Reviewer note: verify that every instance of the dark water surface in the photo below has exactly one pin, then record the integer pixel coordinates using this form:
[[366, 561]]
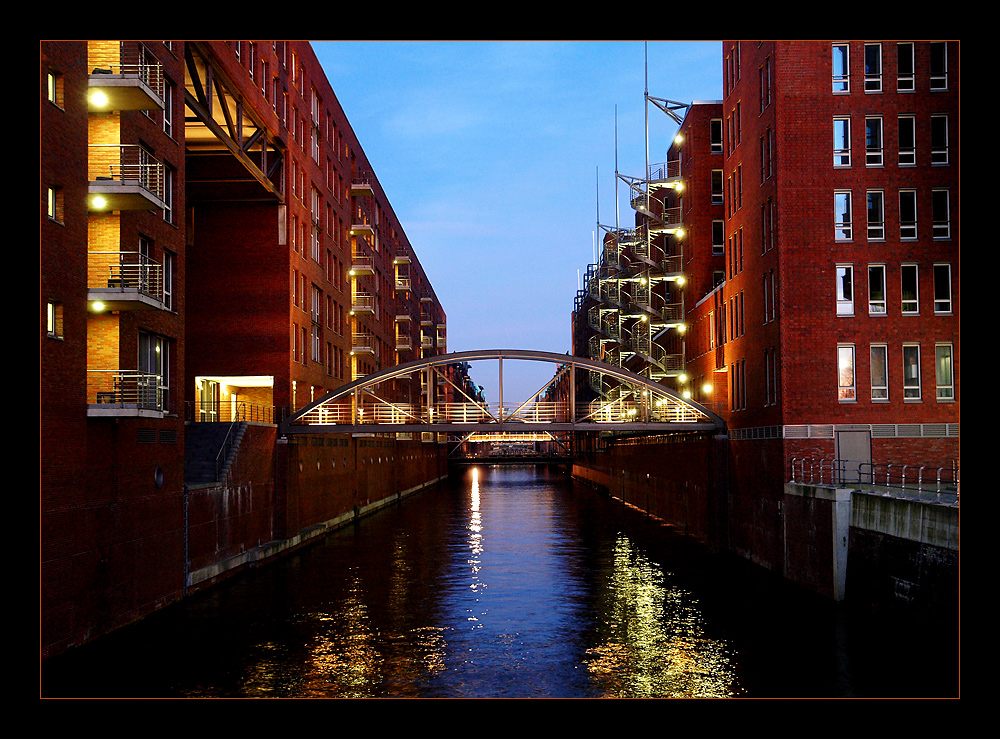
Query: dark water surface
[[508, 582]]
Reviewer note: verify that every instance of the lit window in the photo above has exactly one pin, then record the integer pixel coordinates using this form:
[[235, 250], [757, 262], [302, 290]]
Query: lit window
[[846, 386], [943, 372], [54, 320], [54, 205]]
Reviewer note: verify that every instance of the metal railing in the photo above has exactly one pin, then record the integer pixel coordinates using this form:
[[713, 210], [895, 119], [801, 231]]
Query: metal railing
[[920, 482], [125, 270], [128, 164], [226, 410], [129, 59], [126, 388]]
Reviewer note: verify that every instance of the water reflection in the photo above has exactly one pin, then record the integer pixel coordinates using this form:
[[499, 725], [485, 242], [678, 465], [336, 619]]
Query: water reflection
[[653, 643]]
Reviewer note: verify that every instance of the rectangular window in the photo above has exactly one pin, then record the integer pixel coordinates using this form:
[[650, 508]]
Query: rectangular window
[[939, 65], [841, 68], [908, 284], [841, 142], [718, 237], [939, 139], [911, 371], [873, 67], [55, 205], [873, 141], [907, 214], [717, 186], [941, 214], [942, 288], [716, 135], [845, 290], [876, 289], [880, 371], [904, 67], [846, 384], [876, 215], [54, 321], [944, 375], [842, 215], [907, 141]]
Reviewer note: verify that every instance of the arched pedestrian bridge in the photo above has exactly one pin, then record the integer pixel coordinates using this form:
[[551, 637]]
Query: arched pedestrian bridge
[[395, 400]]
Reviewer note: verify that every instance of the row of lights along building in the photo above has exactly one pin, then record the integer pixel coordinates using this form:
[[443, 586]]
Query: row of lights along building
[[794, 267], [213, 247]]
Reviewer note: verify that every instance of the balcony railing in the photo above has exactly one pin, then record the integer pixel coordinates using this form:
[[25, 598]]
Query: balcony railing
[[118, 168], [665, 170], [125, 271], [362, 343], [363, 303], [126, 389], [127, 59]]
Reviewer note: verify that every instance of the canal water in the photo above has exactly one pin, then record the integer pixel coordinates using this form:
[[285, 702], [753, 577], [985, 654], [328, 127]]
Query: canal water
[[508, 583]]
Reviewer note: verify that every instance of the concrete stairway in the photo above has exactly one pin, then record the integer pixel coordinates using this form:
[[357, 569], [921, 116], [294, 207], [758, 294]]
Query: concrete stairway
[[203, 442]]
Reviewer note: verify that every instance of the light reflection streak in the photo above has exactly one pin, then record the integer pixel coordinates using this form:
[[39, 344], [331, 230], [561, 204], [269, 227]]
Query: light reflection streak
[[475, 542], [653, 643]]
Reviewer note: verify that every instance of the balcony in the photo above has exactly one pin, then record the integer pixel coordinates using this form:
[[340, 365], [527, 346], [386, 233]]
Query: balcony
[[363, 303], [362, 344], [402, 282], [362, 264], [403, 343], [665, 174], [118, 393], [121, 280], [361, 186], [124, 77], [124, 177]]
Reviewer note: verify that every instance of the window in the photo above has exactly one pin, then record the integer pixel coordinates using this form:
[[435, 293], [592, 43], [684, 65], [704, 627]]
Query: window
[[841, 68], [153, 376], [880, 372], [841, 142], [941, 214], [876, 289], [842, 215], [55, 204], [54, 320], [845, 290], [55, 88], [939, 65], [911, 371], [907, 214], [716, 135], [168, 194], [873, 67], [717, 186], [876, 215], [846, 386], [718, 237], [942, 288], [907, 141], [765, 83], [908, 284], [168, 107], [873, 141], [169, 262], [939, 139], [904, 67], [944, 377]]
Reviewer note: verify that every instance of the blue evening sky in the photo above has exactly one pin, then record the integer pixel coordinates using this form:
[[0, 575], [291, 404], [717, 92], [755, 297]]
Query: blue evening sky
[[495, 155]]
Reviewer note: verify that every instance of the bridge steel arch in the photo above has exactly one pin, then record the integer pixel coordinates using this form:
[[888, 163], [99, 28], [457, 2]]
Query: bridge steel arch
[[641, 405]]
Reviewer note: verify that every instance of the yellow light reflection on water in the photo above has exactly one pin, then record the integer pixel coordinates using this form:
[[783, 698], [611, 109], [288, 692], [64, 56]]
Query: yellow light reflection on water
[[653, 643]]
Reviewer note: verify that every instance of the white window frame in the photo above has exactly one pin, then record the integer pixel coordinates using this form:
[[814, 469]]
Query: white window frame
[[842, 141], [874, 149], [847, 388], [906, 79], [907, 132], [939, 147], [841, 68], [879, 370], [876, 290], [876, 215], [873, 68], [942, 288], [944, 371], [845, 289], [909, 305], [939, 77], [941, 213], [911, 372], [907, 214], [842, 217]]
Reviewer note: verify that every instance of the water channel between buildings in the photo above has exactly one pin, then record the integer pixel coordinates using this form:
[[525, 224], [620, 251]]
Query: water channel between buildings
[[510, 583]]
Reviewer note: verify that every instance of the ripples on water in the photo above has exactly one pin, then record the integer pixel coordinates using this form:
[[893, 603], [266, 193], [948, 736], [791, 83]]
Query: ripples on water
[[510, 582]]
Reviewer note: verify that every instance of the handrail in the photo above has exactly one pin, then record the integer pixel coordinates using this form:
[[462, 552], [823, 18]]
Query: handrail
[[220, 458], [884, 479]]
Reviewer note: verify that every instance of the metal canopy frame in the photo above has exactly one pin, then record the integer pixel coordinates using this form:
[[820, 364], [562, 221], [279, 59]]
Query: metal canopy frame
[[642, 405]]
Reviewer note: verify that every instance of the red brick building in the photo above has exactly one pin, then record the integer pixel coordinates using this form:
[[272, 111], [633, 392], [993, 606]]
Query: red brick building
[[826, 331], [213, 247]]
